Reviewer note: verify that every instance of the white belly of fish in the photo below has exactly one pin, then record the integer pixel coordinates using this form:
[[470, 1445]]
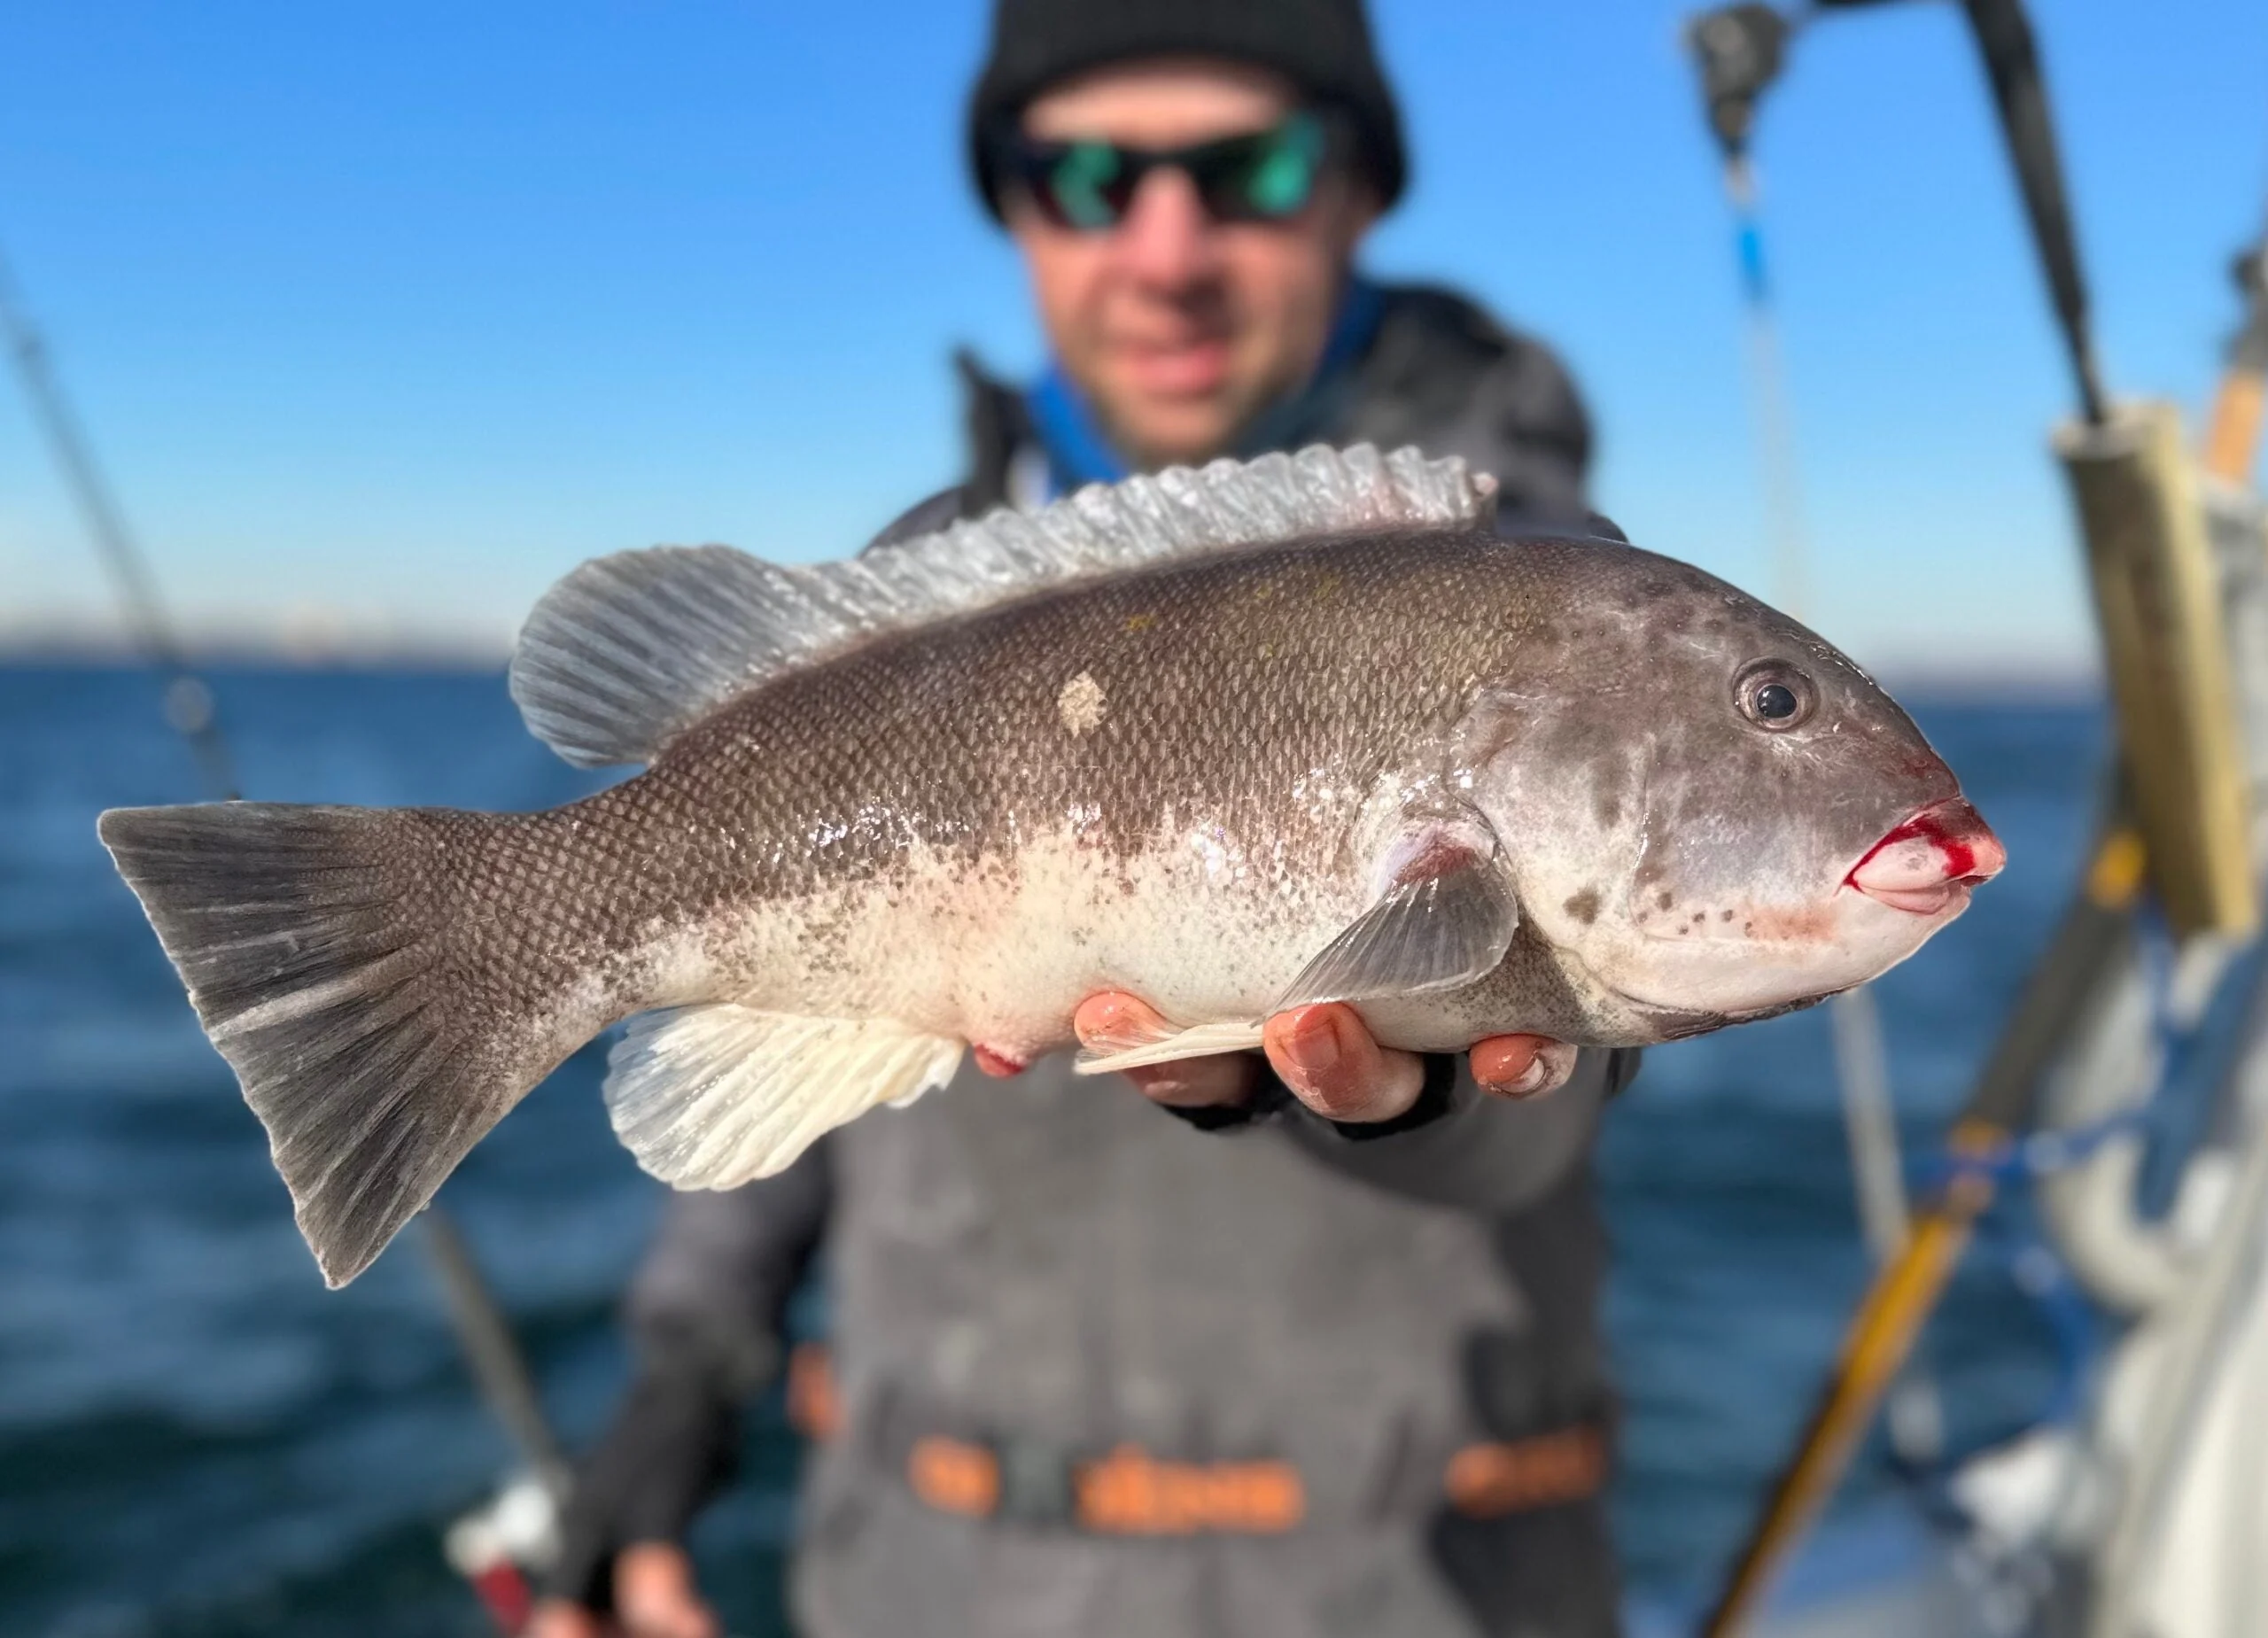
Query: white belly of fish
[[793, 1016], [998, 953]]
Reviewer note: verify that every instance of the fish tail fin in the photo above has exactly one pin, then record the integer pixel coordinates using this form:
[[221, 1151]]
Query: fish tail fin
[[315, 942]]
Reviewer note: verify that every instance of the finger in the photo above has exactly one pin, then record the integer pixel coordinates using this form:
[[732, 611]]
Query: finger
[[1110, 1021], [1329, 1059], [555, 1617], [655, 1595], [1113, 1021], [1522, 1066]]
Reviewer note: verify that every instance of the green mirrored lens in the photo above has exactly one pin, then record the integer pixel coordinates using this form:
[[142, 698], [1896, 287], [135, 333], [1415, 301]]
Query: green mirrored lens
[[1282, 179], [1079, 183]]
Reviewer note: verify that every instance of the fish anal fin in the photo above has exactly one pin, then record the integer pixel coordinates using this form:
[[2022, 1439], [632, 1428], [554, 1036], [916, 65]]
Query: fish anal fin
[[714, 1097]]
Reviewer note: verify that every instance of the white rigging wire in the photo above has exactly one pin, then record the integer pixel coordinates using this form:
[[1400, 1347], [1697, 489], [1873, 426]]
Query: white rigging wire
[[1862, 1068]]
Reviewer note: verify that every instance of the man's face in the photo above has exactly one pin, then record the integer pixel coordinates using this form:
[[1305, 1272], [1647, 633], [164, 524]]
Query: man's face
[[1178, 328]]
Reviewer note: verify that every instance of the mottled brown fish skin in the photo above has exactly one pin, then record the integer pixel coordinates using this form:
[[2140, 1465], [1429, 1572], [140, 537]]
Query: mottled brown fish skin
[[1224, 686], [1171, 780], [1222, 683]]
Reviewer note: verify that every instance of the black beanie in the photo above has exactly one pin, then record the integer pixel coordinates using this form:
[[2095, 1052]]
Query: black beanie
[[1322, 47]]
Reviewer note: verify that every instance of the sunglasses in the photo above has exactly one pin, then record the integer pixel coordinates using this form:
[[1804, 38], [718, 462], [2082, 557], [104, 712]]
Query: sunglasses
[[1089, 185]]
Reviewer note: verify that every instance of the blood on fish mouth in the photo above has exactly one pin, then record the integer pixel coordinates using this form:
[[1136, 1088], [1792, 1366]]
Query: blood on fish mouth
[[1928, 863]]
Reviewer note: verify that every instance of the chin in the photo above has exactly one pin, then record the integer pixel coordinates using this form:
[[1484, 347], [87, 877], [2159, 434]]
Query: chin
[[1165, 438], [1174, 426], [1858, 940]]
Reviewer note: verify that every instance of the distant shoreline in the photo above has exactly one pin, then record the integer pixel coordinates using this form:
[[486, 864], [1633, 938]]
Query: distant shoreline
[[1919, 684], [396, 656]]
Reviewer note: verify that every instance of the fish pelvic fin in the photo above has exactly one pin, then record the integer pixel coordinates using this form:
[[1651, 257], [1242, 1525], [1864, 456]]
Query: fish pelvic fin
[[314, 947], [630, 650], [714, 1097]]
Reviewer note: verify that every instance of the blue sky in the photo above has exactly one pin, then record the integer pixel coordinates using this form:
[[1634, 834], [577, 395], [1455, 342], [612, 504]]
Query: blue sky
[[384, 315]]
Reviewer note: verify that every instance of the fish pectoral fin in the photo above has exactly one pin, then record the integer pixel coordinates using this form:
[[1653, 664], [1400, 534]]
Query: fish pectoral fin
[[1170, 1045], [714, 1097], [1446, 925]]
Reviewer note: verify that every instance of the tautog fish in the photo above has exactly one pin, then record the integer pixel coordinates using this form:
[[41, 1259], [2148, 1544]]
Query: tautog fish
[[1231, 739]]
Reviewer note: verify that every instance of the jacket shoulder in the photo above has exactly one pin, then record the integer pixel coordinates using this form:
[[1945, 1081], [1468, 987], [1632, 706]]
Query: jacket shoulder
[[1447, 375], [1434, 325], [940, 511]]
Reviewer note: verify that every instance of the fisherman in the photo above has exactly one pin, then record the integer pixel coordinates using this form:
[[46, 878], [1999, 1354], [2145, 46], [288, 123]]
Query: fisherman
[[1322, 1353]]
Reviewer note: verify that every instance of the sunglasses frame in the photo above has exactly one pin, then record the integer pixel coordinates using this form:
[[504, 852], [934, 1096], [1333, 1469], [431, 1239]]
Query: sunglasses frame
[[1029, 165]]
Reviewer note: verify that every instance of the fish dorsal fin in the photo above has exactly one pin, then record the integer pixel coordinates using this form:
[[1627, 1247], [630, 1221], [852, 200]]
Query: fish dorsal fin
[[629, 651]]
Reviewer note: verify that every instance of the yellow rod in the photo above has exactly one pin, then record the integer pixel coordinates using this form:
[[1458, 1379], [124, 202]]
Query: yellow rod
[[1880, 1336], [1881, 1333]]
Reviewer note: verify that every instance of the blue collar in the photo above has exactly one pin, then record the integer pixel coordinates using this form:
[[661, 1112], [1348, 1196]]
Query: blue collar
[[1079, 453]]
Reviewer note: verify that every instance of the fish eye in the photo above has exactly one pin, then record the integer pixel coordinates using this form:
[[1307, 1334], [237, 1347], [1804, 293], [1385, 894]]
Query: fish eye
[[1774, 695]]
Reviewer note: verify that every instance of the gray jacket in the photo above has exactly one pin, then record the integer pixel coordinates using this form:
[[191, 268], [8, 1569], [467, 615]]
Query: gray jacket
[[1049, 1269]]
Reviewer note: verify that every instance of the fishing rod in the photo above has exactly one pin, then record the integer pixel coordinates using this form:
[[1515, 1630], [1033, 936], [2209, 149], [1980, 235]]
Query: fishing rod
[[188, 702], [1741, 49], [498, 1369]]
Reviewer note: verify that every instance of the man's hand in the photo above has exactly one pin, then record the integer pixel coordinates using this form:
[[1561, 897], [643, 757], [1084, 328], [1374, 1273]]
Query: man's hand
[[1326, 1055], [653, 1597]]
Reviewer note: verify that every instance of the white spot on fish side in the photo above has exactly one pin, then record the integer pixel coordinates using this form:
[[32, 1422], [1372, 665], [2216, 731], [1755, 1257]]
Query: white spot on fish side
[[1081, 704]]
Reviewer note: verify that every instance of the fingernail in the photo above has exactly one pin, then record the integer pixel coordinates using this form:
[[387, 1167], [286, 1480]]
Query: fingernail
[[1526, 1084], [1313, 1047]]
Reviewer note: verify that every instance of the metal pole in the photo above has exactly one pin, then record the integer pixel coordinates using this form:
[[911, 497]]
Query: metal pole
[[2004, 38], [2011, 64]]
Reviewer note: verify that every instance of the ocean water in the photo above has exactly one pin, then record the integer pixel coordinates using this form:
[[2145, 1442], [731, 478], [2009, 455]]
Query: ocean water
[[197, 1439]]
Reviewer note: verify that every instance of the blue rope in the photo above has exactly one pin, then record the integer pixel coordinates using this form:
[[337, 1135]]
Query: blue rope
[[2037, 1155], [1748, 244], [2040, 1154]]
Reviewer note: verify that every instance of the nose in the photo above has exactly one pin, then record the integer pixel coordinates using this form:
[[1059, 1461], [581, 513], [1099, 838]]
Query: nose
[[1167, 238], [1930, 860]]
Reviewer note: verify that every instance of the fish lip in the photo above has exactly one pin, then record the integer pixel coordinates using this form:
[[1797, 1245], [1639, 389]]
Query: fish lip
[[1960, 833], [1951, 893]]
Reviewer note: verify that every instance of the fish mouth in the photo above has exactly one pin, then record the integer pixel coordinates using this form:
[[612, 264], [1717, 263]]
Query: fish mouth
[[1927, 863]]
